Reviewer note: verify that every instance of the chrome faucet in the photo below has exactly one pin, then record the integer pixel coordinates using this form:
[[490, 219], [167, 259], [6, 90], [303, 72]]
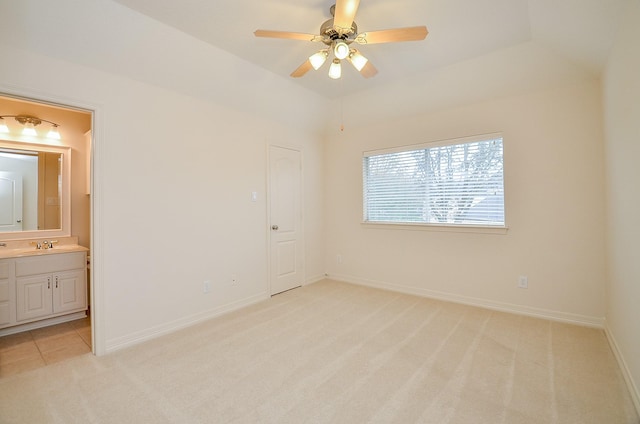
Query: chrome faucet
[[45, 244], [48, 244]]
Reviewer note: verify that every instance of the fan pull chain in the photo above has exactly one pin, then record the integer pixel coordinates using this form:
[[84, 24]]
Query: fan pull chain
[[341, 116], [341, 108]]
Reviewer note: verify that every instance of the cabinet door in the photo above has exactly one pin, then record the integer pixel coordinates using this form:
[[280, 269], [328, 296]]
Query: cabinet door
[[70, 290], [34, 295], [5, 310], [6, 298]]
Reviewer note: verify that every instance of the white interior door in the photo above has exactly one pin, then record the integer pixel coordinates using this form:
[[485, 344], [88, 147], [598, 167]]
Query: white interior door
[[10, 201], [285, 205]]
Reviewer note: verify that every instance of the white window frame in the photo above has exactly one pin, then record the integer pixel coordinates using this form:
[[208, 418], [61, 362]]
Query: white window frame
[[438, 226]]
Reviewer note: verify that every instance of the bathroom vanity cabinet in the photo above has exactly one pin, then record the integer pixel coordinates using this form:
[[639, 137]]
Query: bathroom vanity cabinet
[[41, 287], [5, 298]]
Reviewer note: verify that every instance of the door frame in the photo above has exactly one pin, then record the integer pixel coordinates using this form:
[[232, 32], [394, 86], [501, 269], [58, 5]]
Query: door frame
[[268, 207], [96, 273]]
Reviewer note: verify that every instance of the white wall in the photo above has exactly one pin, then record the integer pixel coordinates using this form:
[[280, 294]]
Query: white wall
[[622, 123], [174, 167], [554, 206]]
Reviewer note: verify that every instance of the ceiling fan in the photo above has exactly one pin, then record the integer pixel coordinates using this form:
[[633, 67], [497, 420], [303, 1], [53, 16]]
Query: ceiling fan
[[338, 34]]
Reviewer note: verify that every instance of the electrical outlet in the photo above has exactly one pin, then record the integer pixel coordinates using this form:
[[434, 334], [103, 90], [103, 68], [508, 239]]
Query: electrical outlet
[[523, 282], [339, 259], [206, 286]]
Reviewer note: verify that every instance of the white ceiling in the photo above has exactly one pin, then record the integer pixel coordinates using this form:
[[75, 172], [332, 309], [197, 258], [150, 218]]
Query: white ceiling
[[580, 30]]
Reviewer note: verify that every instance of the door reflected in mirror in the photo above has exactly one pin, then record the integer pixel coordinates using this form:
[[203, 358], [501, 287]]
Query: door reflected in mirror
[[30, 190]]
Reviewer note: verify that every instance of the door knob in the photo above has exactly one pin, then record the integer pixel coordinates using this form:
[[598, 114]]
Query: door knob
[[274, 227]]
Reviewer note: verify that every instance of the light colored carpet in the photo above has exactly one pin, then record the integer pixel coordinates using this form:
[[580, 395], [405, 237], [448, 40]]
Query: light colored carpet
[[338, 353]]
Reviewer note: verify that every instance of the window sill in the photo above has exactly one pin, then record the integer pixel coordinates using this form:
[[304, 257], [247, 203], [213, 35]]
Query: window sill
[[447, 228]]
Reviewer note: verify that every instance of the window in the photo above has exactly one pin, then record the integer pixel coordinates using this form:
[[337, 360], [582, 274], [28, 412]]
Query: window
[[458, 182]]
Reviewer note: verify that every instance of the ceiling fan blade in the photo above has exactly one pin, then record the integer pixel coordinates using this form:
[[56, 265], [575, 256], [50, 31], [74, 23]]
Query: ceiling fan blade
[[287, 35], [392, 35], [302, 69], [368, 70], [344, 14]]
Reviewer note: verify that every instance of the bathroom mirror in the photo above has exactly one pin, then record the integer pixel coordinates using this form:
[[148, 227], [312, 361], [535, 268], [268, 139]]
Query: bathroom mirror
[[34, 191]]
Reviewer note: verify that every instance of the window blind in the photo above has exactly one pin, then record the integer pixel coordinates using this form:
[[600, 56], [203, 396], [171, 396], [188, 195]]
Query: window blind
[[458, 183]]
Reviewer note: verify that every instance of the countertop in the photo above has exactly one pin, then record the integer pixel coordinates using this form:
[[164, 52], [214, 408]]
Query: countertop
[[22, 248]]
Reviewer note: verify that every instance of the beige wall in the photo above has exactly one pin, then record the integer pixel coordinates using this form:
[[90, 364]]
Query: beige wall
[[554, 209], [622, 119]]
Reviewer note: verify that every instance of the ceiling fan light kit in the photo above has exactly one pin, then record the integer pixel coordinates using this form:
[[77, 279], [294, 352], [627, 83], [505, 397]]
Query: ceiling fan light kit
[[335, 70], [338, 33], [318, 59], [340, 49], [357, 60]]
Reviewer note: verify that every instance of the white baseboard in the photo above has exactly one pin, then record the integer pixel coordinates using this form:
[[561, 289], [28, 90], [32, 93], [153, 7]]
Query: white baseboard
[[472, 301], [173, 326], [631, 385], [314, 279], [42, 323]]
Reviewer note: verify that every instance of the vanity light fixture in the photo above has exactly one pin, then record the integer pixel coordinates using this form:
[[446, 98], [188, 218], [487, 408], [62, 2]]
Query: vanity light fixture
[[30, 123], [53, 132], [29, 129]]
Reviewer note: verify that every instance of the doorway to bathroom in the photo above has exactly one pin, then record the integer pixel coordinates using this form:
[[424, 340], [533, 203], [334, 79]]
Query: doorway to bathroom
[[57, 126]]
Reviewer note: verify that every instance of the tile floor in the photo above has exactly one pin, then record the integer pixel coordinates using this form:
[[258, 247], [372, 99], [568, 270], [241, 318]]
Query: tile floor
[[37, 348]]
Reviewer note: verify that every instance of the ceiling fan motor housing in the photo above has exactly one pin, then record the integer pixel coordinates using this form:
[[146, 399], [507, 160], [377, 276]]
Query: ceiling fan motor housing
[[330, 32]]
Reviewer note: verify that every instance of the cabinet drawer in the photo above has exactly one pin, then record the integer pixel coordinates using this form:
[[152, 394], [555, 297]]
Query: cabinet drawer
[[50, 263], [4, 269]]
